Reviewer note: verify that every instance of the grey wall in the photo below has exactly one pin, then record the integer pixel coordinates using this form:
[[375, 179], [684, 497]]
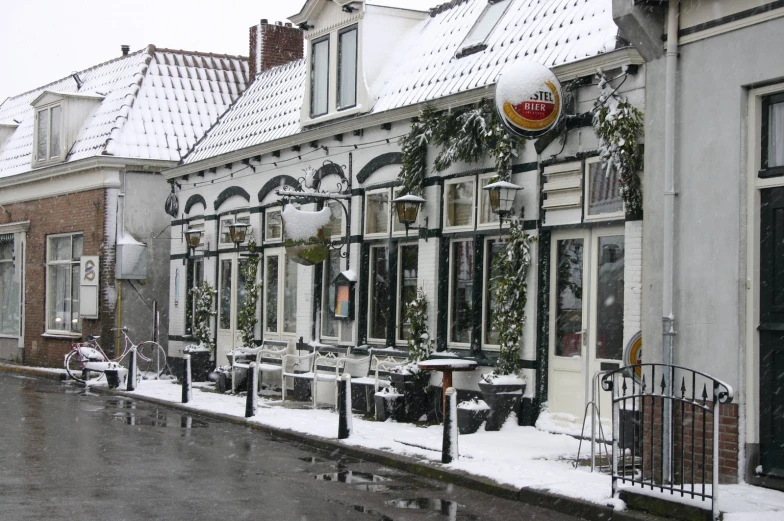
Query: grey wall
[[713, 80], [145, 198]]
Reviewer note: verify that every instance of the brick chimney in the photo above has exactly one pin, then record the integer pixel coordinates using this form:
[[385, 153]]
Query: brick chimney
[[273, 45]]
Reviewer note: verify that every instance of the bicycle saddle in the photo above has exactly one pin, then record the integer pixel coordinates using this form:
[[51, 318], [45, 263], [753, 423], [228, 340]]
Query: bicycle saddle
[[90, 338]]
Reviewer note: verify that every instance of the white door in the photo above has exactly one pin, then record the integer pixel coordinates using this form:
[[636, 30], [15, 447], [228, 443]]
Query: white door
[[230, 293], [586, 315]]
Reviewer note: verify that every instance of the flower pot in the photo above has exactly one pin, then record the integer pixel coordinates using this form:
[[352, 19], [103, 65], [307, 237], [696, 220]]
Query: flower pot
[[415, 397], [307, 235], [470, 419], [388, 405], [502, 399]]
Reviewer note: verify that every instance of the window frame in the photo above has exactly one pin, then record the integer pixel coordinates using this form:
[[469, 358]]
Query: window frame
[[239, 217], [487, 261], [451, 343], [765, 171], [399, 289], [50, 331], [267, 212], [483, 195], [465, 49], [17, 272], [472, 225], [371, 295], [587, 217], [280, 296], [326, 38], [326, 284], [49, 157], [368, 193], [338, 83]]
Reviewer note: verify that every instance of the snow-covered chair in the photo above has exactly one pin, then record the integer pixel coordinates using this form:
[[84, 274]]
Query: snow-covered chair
[[268, 357]]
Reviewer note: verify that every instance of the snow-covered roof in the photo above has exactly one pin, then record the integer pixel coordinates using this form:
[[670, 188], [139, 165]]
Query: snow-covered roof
[[157, 103], [424, 67]]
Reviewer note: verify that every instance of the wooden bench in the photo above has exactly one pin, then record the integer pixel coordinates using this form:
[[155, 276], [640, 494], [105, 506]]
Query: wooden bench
[[268, 356]]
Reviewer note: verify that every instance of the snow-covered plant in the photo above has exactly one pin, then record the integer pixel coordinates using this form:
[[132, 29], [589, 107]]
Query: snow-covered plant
[[414, 149], [618, 125], [511, 286], [419, 342], [202, 311], [246, 318]]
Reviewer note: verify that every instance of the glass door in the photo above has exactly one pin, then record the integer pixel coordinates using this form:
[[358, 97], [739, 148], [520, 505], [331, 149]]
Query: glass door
[[228, 284]]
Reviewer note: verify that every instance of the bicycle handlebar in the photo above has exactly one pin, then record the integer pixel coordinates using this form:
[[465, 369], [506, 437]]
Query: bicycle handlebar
[[120, 329]]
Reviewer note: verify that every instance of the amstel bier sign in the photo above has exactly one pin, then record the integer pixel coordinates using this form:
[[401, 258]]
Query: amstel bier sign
[[528, 99]]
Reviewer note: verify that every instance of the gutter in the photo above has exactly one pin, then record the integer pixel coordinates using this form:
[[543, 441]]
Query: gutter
[[569, 71]]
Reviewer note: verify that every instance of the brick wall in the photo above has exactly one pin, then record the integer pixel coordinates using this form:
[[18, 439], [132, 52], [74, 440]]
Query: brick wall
[[80, 212], [689, 438], [279, 44]]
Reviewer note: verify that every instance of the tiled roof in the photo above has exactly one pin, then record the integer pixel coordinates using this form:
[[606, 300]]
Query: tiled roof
[[268, 110], [157, 104], [424, 67]]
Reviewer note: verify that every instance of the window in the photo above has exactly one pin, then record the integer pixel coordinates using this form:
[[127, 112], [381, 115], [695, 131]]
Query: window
[[62, 287], [319, 77], [493, 248], [330, 326], [377, 212], [477, 36], [378, 315], [486, 214], [48, 129], [280, 287], [225, 294], [347, 68], [461, 291], [195, 279], [336, 223], [225, 237], [10, 290], [602, 191], [408, 264], [273, 227], [459, 204], [772, 136]]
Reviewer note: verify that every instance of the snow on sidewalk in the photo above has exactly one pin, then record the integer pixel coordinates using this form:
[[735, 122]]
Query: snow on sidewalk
[[516, 456]]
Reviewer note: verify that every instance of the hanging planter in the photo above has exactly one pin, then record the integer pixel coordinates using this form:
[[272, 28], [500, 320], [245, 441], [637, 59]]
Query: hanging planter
[[307, 235]]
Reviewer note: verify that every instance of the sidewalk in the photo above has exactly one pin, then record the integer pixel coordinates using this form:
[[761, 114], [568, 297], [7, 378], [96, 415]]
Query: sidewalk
[[520, 463]]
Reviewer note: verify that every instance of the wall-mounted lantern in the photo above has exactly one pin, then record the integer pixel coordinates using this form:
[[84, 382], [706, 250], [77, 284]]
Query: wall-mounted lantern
[[502, 196], [344, 294], [237, 232], [407, 208], [193, 241]]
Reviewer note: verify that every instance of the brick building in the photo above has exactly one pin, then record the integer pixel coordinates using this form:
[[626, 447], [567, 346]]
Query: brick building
[[83, 198]]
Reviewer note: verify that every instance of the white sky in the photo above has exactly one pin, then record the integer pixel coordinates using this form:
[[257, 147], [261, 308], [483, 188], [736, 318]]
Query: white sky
[[44, 40]]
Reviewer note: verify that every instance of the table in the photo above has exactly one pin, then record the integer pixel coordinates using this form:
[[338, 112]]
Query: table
[[447, 366]]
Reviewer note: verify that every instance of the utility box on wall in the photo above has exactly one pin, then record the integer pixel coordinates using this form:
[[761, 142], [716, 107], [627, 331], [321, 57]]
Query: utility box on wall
[[131, 260], [89, 286]]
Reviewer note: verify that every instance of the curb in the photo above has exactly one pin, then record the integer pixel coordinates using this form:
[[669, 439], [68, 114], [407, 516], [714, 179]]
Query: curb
[[32, 371], [541, 498]]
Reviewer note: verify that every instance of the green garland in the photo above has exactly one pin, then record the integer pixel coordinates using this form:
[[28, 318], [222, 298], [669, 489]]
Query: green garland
[[511, 286], [202, 311], [466, 134], [618, 125], [246, 318]]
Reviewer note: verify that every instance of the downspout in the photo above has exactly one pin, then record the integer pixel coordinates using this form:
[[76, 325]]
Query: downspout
[[668, 320]]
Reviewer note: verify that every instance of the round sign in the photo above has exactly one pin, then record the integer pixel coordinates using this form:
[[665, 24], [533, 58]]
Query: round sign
[[632, 354], [528, 99]]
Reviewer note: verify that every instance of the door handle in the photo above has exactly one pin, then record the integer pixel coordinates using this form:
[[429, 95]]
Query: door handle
[[582, 337]]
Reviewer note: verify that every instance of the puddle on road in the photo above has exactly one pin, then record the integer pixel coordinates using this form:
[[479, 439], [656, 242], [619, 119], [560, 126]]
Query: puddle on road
[[314, 460], [443, 506], [365, 510], [350, 477]]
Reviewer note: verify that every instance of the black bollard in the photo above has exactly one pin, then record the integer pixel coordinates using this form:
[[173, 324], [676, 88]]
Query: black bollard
[[253, 391], [344, 407], [449, 448], [186, 379], [132, 371]]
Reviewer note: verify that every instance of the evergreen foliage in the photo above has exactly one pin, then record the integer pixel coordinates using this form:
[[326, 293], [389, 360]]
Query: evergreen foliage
[[202, 311], [419, 342], [511, 288], [618, 125], [246, 318]]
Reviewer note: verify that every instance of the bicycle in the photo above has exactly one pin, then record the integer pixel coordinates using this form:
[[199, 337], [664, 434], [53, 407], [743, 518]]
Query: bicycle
[[87, 361]]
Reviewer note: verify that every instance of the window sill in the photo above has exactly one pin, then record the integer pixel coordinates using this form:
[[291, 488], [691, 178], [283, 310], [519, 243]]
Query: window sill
[[61, 335]]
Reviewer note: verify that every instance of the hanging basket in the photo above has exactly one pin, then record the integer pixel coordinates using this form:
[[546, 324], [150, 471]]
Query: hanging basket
[[307, 235]]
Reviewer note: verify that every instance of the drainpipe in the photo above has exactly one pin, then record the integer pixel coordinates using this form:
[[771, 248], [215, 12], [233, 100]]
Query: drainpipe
[[668, 320]]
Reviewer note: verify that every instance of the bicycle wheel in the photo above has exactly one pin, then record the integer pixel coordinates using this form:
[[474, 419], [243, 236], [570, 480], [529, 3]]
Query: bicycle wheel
[[74, 366], [151, 360]]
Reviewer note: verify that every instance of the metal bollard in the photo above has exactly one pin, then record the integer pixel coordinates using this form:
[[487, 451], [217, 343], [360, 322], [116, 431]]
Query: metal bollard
[[344, 407], [132, 371], [187, 395], [253, 391], [449, 448]]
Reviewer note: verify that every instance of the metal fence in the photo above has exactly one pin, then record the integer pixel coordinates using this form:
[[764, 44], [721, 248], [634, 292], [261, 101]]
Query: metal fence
[[675, 429]]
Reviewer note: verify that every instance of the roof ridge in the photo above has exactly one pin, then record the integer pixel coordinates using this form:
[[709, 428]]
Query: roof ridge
[[445, 7], [43, 87], [201, 53], [130, 98]]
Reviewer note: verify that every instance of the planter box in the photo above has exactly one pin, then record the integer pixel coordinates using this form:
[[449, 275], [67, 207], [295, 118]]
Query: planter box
[[416, 401], [389, 406], [502, 399], [469, 420]]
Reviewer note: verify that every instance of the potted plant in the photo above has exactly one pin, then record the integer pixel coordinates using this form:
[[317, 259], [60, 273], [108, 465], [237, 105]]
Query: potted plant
[[503, 388], [307, 234], [389, 404], [470, 415], [409, 379], [200, 323]]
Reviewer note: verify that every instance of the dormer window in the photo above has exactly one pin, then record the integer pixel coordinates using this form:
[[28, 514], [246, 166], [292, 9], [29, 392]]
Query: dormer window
[[319, 77], [48, 129], [347, 68], [477, 36]]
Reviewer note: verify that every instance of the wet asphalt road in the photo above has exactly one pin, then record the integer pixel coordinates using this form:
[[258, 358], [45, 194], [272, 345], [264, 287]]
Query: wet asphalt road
[[65, 454]]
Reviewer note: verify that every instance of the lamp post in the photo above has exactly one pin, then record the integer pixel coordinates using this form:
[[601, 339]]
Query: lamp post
[[502, 196], [407, 208]]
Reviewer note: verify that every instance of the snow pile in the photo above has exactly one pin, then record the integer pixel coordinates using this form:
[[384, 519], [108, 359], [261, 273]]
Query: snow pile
[[299, 225], [473, 405]]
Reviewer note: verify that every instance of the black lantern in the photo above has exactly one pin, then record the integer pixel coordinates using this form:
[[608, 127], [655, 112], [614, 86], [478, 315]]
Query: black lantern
[[344, 295], [193, 237], [407, 208], [502, 195], [237, 231]]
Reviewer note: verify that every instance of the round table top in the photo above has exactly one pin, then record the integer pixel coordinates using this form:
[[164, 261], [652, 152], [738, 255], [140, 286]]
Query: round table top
[[441, 364]]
